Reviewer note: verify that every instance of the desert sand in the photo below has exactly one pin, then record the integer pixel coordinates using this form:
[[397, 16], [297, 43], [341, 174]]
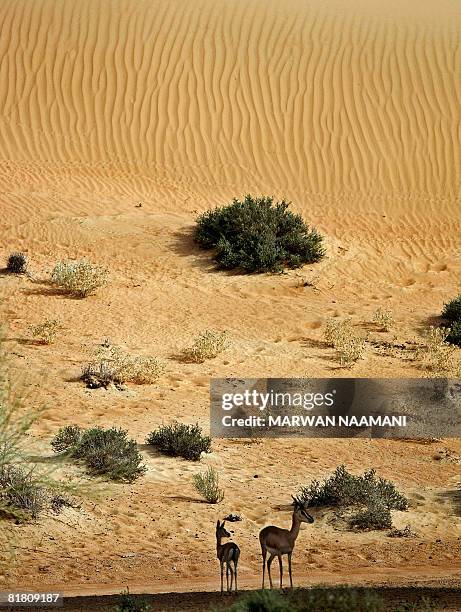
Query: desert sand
[[120, 121]]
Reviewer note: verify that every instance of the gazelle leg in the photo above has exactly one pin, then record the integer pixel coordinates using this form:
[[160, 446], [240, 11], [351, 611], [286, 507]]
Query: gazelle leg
[[264, 566], [271, 558], [235, 572], [227, 575], [281, 570], [231, 575], [289, 569], [222, 578]]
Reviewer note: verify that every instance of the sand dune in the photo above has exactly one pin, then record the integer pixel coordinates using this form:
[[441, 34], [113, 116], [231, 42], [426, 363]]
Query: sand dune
[[294, 95], [120, 120]]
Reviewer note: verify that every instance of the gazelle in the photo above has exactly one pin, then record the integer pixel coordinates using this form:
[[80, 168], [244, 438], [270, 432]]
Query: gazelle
[[227, 553], [278, 542]]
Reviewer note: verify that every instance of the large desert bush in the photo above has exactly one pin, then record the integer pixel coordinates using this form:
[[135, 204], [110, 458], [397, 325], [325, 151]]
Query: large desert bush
[[180, 440], [79, 278], [17, 263], [207, 484], [208, 345], [111, 364], [105, 452], [258, 235], [373, 497]]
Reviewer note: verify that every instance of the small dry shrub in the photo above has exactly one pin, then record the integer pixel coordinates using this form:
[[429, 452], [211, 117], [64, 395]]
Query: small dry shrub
[[207, 484], [46, 332], [17, 263], [79, 278], [437, 354], [406, 532], [112, 365], [21, 492], [207, 345], [383, 318], [340, 334]]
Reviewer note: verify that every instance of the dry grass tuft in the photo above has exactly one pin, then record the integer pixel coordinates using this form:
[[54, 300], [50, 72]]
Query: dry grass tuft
[[208, 345], [383, 318], [112, 365], [46, 332], [340, 335]]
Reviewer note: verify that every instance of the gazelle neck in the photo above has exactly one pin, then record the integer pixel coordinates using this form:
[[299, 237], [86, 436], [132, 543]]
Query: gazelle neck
[[295, 526]]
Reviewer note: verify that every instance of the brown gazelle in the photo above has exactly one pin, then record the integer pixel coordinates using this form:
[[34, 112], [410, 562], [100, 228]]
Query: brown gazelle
[[278, 542], [227, 553]]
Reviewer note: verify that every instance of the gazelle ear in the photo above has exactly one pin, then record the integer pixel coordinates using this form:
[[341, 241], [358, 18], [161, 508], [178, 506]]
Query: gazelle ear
[[217, 524]]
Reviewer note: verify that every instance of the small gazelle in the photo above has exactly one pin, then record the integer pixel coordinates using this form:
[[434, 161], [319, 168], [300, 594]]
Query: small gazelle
[[278, 542], [228, 554]]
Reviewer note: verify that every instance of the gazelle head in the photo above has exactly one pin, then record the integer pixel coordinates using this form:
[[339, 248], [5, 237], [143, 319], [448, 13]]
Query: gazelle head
[[221, 531], [301, 512]]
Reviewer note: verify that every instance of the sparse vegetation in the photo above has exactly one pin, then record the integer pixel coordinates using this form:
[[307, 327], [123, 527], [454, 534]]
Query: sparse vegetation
[[79, 278], [105, 452], [180, 440], [258, 235], [383, 318], [340, 334], [17, 263], [130, 603], [207, 484], [315, 599], [406, 532], [436, 353], [208, 345], [372, 496], [21, 492], [111, 364], [46, 332]]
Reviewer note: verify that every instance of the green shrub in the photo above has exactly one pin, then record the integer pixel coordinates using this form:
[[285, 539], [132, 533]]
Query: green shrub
[[258, 236], [67, 438], [79, 278], [316, 599], [20, 492], [452, 310], [343, 489], [107, 452], [180, 440], [376, 515], [129, 603], [17, 263], [207, 484], [262, 601], [111, 453], [454, 335]]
